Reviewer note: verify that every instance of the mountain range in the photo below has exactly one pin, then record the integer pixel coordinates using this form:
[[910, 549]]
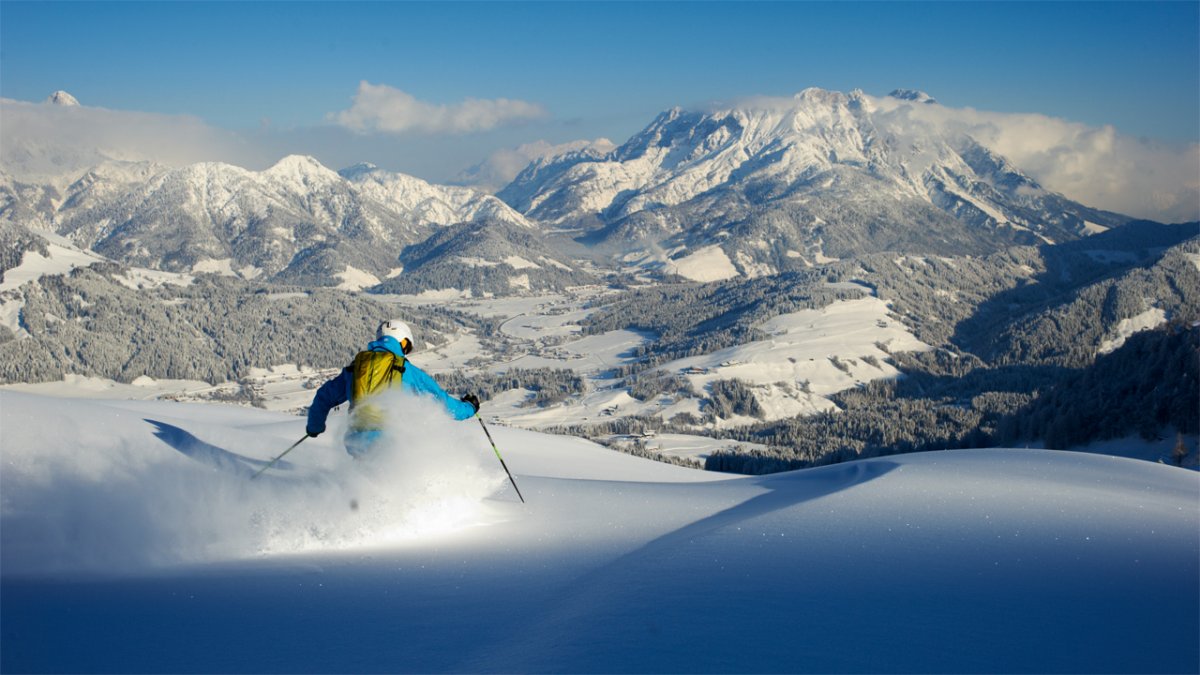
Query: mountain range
[[746, 190], [296, 221]]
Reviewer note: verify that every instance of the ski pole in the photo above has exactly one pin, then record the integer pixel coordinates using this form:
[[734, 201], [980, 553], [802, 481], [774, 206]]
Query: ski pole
[[497, 451], [272, 462]]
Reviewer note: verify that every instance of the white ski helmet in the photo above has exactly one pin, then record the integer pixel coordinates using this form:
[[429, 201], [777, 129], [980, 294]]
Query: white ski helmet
[[399, 330]]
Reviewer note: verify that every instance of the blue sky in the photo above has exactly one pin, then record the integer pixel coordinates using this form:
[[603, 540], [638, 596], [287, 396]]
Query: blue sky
[[282, 71]]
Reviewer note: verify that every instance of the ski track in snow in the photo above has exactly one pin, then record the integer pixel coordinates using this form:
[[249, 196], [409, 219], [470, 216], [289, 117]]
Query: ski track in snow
[[132, 541]]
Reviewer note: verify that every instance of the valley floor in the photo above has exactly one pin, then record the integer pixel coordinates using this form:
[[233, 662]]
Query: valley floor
[[830, 349]]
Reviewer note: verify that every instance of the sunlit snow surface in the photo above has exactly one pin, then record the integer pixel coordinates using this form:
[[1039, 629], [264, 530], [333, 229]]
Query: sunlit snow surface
[[132, 540]]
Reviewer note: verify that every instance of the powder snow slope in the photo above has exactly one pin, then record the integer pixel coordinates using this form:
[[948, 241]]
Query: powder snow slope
[[133, 542]]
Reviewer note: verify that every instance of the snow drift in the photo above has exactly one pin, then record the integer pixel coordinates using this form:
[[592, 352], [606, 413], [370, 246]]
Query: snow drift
[[133, 541]]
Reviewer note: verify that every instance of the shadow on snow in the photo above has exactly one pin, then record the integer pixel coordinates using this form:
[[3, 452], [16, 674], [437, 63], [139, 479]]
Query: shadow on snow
[[209, 454]]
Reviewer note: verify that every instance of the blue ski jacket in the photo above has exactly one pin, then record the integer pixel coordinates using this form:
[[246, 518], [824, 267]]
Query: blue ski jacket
[[415, 381]]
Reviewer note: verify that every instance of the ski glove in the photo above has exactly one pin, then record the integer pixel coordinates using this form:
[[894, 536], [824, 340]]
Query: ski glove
[[472, 399], [313, 433]]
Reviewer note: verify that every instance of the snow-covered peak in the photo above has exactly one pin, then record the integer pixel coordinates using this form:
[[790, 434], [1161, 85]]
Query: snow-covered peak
[[62, 98], [684, 153], [914, 95], [299, 163], [302, 170], [816, 95]]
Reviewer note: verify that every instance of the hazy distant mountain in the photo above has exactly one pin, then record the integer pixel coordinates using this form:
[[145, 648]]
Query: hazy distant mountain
[[771, 185], [61, 97], [502, 166], [914, 95]]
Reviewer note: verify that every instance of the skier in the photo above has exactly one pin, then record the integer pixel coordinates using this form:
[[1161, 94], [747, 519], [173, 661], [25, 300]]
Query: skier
[[384, 365]]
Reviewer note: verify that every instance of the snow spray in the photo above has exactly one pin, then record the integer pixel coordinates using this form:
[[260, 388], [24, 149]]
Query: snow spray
[[427, 475], [117, 498]]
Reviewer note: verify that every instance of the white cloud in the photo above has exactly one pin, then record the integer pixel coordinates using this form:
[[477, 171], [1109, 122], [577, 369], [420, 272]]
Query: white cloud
[[380, 108], [46, 141], [1096, 166]]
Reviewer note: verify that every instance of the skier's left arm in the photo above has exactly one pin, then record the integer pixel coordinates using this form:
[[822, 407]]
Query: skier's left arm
[[332, 393], [419, 382]]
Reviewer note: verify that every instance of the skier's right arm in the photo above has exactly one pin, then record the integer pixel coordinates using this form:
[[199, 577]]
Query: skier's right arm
[[333, 393]]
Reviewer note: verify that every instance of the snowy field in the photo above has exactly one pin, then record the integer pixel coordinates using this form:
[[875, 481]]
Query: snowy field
[[132, 540], [808, 355]]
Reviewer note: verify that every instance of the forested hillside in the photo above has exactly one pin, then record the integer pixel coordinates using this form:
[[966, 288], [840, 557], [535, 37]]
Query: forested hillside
[[1148, 387], [214, 329]]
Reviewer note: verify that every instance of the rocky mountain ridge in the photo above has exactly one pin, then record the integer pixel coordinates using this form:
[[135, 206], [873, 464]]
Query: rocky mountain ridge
[[780, 184]]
